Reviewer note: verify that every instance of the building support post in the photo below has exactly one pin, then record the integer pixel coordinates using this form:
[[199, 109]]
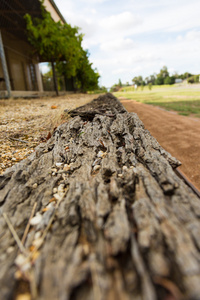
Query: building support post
[[4, 66], [39, 78]]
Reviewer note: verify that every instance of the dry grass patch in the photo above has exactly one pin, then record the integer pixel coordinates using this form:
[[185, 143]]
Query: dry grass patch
[[183, 100], [26, 123]]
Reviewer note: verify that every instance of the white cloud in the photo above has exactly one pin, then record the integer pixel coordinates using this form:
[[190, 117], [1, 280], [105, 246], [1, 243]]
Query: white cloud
[[193, 35], [118, 44], [87, 25], [120, 22], [120, 71], [127, 70], [179, 38], [93, 11], [89, 2]]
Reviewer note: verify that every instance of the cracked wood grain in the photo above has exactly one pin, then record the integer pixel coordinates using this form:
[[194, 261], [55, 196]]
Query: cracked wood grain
[[112, 221]]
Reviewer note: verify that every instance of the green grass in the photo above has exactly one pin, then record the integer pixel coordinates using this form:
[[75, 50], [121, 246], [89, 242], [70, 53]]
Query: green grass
[[184, 100]]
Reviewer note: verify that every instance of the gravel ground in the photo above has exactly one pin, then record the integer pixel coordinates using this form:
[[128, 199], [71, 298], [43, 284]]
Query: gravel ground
[[26, 123]]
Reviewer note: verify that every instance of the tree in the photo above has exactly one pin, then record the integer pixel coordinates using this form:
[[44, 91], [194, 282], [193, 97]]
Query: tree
[[151, 79], [86, 78], [161, 76], [138, 80], [114, 88], [159, 80], [55, 42], [119, 83], [169, 80], [193, 79], [185, 75], [163, 72]]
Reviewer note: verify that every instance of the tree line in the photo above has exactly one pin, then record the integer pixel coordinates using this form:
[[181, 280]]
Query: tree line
[[61, 45], [163, 77]]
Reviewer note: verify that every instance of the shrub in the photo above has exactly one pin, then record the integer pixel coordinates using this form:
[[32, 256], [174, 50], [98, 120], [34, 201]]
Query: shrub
[[193, 79]]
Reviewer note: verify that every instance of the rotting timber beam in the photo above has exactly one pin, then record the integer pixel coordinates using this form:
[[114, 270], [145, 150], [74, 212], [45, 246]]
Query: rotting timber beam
[[98, 212]]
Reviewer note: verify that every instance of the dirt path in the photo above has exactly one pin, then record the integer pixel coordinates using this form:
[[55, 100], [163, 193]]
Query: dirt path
[[177, 134]]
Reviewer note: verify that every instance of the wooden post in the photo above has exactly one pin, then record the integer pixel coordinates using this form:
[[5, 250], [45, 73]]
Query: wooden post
[[39, 78], [4, 66], [54, 78], [111, 218]]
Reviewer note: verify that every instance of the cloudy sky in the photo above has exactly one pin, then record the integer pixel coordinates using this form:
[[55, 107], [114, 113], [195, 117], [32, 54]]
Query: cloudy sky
[[131, 38]]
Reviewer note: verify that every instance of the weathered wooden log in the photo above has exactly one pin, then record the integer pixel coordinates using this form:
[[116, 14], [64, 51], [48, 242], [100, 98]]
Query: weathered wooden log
[[107, 216]]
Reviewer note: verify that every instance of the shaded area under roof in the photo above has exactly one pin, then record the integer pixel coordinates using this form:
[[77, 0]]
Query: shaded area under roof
[[12, 15]]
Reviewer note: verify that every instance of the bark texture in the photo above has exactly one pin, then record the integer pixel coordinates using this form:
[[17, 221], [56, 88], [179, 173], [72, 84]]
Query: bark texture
[[109, 218]]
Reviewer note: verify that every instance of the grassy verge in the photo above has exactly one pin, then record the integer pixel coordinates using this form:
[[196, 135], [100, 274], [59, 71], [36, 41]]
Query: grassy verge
[[184, 100]]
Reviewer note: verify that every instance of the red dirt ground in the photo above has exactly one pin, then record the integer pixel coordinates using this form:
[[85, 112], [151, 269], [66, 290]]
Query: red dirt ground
[[179, 135]]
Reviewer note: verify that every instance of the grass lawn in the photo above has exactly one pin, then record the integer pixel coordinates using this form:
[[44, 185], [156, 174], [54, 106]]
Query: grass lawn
[[184, 100]]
